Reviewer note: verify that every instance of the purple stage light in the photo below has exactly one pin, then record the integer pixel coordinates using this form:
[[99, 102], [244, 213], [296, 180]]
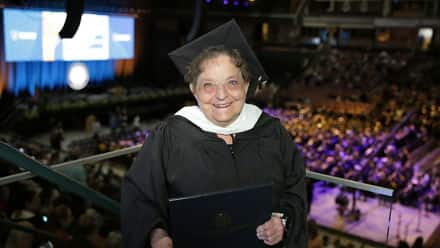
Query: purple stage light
[[236, 3], [208, 1], [225, 2]]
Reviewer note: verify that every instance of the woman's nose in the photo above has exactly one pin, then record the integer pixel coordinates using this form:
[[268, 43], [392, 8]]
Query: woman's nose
[[221, 92]]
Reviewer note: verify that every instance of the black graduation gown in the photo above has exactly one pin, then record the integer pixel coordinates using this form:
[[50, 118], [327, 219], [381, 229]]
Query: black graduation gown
[[179, 159]]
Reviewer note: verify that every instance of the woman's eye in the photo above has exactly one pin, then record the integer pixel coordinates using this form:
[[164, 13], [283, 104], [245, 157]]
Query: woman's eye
[[208, 86], [233, 82]]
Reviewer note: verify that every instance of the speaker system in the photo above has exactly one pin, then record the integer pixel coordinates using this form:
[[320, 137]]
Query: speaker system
[[74, 10]]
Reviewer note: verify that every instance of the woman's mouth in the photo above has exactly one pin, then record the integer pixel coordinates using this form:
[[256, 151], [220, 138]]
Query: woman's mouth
[[222, 105]]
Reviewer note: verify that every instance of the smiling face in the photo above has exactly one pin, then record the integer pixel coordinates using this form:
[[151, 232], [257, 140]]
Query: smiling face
[[220, 90]]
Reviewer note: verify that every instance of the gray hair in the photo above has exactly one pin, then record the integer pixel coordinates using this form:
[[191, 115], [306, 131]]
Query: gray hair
[[194, 69]]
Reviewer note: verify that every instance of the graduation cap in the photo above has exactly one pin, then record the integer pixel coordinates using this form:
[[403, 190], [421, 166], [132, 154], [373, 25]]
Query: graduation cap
[[228, 35]]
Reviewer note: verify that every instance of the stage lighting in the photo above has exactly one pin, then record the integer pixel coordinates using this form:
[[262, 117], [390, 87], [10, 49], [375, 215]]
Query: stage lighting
[[78, 76], [236, 3], [225, 2]]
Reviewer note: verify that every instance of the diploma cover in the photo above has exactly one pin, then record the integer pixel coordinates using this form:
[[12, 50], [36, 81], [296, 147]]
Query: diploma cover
[[225, 219]]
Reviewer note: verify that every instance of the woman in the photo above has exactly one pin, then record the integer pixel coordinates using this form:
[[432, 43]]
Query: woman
[[223, 143]]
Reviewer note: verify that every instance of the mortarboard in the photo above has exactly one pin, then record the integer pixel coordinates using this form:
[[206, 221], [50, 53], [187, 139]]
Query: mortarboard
[[229, 35]]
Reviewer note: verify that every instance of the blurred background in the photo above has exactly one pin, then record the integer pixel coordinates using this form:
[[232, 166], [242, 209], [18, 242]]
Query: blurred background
[[356, 83]]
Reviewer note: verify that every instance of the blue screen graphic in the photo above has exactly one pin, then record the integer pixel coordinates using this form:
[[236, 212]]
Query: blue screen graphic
[[31, 35], [121, 37], [22, 31]]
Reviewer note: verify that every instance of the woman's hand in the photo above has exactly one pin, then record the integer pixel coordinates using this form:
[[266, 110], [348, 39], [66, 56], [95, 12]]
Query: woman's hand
[[159, 239], [272, 231], [165, 242]]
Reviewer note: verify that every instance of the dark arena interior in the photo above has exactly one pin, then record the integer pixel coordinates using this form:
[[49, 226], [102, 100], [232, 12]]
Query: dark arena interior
[[354, 82]]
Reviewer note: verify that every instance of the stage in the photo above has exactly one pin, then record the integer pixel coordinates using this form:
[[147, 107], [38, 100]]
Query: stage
[[374, 217]]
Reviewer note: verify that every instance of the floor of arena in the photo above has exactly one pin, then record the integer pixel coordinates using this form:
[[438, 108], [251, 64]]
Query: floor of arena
[[407, 223]]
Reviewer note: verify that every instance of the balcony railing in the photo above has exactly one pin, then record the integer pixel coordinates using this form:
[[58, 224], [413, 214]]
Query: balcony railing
[[52, 174]]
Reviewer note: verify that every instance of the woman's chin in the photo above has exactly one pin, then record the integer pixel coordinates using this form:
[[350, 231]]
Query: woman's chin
[[222, 116], [223, 121]]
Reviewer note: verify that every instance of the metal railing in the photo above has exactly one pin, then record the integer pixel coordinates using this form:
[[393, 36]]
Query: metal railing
[[50, 173], [125, 151], [87, 160], [17, 158]]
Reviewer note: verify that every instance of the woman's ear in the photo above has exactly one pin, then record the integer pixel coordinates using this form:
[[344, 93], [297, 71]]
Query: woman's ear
[[247, 87], [193, 90]]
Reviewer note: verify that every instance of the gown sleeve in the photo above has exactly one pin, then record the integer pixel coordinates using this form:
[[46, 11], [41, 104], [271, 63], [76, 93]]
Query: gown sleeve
[[144, 196], [293, 200]]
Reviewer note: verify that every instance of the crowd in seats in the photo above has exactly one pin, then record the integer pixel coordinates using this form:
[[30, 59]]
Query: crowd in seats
[[365, 148], [425, 181], [108, 142], [357, 81], [356, 69], [31, 148], [348, 107], [341, 139], [70, 220], [43, 206]]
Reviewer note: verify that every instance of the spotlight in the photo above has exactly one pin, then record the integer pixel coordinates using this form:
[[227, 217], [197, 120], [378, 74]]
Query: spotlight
[[208, 1], [225, 2], [78, 76], [236, 3]]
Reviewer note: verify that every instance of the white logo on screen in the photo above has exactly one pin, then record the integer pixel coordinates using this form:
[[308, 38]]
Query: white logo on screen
[[118, 37], [19, 35]]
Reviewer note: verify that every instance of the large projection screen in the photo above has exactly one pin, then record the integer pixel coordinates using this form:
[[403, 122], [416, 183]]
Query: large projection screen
[[31, 35]]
